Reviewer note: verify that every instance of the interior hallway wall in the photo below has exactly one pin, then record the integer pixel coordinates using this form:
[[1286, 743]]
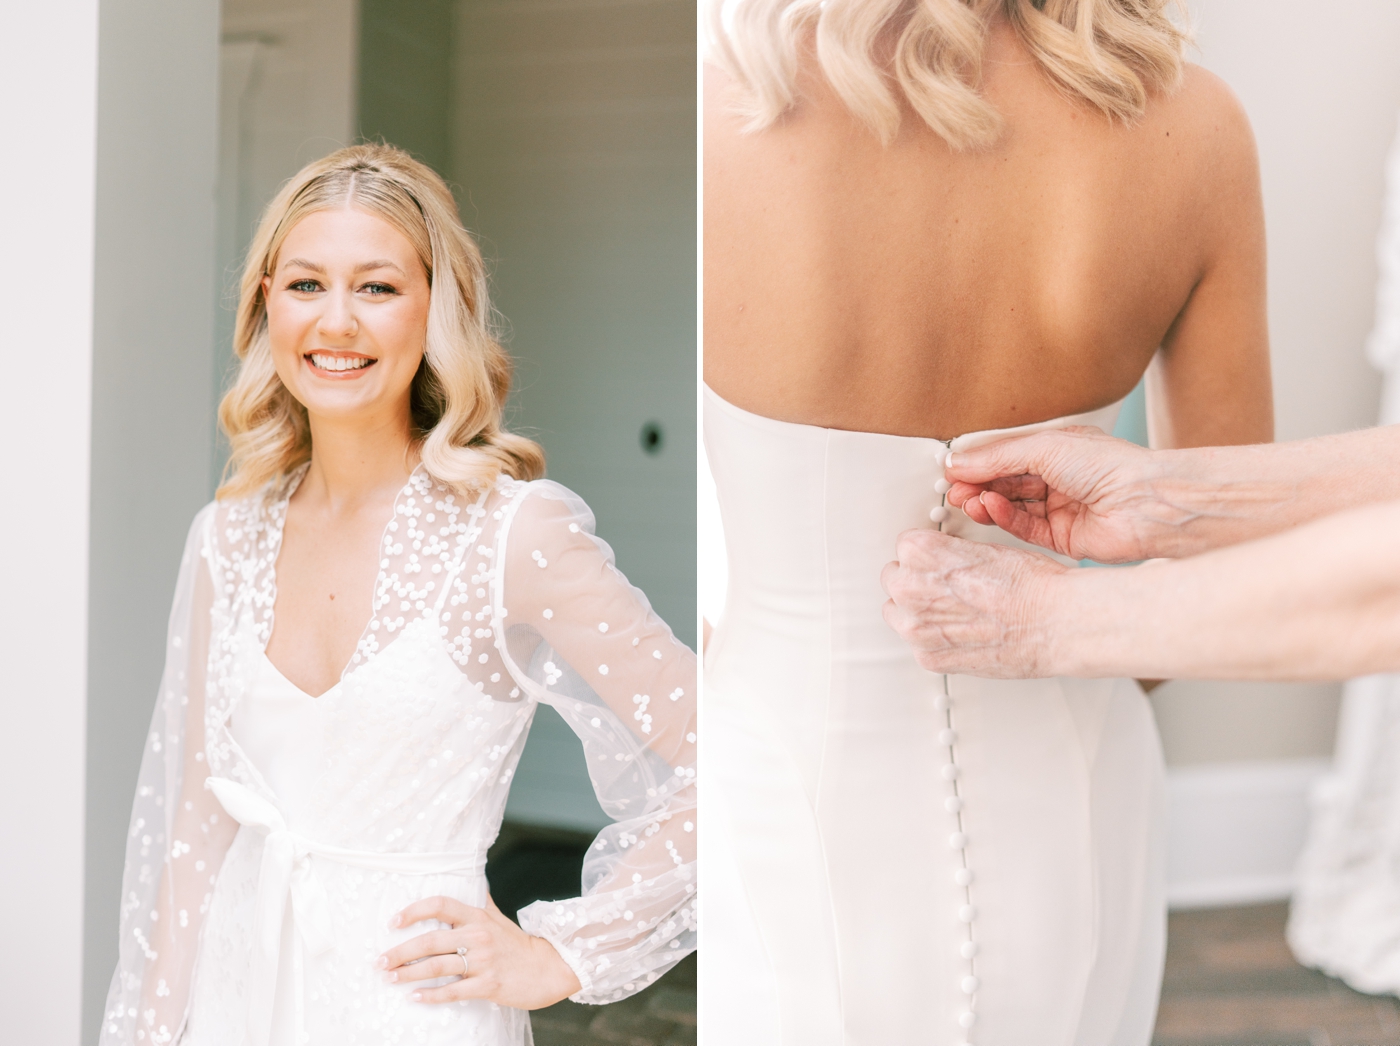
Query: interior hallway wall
[[48, 73], [1321, 84], [152, 327]]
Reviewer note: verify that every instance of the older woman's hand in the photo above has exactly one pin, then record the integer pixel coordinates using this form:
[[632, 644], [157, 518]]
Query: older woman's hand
[[972, 608], [1078, 492], [503, 964]]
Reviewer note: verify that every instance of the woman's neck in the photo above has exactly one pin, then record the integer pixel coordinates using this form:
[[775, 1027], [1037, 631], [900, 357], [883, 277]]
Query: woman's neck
[[352, 462]]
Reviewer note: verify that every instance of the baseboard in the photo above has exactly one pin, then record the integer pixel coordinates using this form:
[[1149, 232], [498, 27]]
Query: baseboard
[[1235, 830]]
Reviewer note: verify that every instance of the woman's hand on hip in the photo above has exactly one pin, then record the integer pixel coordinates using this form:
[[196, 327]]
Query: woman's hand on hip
[[503, 963]]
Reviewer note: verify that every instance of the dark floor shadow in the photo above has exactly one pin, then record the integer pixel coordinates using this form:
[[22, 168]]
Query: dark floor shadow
[[528, 863]]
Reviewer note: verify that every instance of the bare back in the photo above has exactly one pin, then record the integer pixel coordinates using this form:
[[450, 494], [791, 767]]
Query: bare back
[[916, 290]]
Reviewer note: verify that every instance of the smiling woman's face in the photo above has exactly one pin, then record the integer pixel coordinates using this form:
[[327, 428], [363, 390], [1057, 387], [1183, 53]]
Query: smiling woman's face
[[347, 316]]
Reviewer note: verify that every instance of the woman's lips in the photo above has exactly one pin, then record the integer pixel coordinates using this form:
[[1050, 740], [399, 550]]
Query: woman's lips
[[339, 365]]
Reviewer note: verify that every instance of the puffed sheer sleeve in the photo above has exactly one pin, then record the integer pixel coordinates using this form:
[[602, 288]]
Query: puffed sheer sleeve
[[576, 636], [178, 838]]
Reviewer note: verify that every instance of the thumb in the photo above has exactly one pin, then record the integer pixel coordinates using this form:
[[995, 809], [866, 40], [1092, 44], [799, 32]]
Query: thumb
[[1046, 454], [1017, 456]]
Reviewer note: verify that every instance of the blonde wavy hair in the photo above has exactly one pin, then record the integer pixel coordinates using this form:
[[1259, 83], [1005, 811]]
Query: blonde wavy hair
[[1112, 54], [458, 395]]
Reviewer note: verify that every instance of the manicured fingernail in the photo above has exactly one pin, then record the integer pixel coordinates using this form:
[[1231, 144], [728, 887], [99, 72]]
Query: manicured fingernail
[[417, 996], [396, 921], [391, 977], [948, 461], [382, 962]]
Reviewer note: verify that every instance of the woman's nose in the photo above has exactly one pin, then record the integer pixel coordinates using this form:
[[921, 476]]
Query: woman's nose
[[338, 318]]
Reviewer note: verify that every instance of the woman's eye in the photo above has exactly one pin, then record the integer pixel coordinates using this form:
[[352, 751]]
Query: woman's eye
[[378, 288], [304, 286]]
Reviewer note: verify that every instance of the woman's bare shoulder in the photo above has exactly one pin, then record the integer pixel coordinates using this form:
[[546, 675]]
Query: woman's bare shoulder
[[1206, 118]]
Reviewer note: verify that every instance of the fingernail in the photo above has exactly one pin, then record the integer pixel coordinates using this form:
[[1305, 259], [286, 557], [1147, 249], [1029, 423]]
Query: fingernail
[[948, 461], [391, 977], [417, 996], [396, 921], [382, 962]]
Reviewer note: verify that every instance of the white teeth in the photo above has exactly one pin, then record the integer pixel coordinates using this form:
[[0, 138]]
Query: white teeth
[[339, 362]]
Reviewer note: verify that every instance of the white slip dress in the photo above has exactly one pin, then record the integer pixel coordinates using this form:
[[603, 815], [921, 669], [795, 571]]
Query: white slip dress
[[894, 856]]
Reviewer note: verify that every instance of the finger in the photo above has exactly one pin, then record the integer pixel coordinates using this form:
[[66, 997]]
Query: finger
[[444, 909], [1016, 521], [429, 968], [888, 573], [439, 942], [976, 511], [896, 617], [1008, 457], [472, 986], [1036, 455], [931, 661]]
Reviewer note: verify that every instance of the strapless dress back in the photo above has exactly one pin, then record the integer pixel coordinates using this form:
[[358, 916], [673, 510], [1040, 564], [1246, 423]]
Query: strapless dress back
[[897, 857]]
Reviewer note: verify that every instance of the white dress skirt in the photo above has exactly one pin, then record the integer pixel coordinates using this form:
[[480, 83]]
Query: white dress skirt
[[893, 856]]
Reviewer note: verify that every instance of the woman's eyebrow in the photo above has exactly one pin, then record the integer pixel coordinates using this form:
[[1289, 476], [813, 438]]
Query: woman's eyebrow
[[379, 263], [382, 263]]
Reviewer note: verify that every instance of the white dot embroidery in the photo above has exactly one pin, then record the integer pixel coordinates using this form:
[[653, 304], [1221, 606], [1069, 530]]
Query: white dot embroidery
[[440, 603]]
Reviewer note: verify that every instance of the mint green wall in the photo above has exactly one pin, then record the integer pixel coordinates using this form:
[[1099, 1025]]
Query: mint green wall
[[567, 131], [405, 67]]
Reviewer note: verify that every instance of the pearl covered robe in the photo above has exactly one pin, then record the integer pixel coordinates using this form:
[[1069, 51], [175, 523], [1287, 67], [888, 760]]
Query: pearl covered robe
[[261, 875]]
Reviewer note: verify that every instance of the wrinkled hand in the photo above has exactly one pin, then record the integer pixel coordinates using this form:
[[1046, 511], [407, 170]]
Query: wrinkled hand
[[505, 965], [971, 608], [1075, 491]]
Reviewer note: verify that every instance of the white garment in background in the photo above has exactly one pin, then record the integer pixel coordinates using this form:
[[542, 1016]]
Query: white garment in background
[[1345, 916], [858, 893], [389, 787]]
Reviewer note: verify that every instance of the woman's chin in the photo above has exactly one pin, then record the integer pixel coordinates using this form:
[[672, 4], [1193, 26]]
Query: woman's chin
[[348, 402]]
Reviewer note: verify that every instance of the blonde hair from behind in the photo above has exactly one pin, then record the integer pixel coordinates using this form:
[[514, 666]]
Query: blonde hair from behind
[[1112, 54], [458, 395]]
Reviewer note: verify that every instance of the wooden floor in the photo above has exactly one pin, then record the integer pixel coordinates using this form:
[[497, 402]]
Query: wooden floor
[[1231, 981], [1230, 978]]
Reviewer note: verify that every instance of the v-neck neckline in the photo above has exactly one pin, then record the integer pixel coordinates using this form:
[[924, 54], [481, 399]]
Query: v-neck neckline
[[283, 678], [284, 503]]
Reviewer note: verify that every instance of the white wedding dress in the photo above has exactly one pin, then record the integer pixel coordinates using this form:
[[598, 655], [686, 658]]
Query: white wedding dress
[[274, 837], [894, 857]]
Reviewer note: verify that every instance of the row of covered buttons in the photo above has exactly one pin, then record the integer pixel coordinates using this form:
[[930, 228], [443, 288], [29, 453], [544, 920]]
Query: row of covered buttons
[[953, 803]]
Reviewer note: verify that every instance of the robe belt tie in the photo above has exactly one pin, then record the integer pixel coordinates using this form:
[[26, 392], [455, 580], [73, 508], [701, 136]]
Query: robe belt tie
[[287, 875]]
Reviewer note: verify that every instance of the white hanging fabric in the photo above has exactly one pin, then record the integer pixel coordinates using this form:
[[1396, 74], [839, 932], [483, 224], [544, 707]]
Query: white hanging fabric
[[1346, 907]]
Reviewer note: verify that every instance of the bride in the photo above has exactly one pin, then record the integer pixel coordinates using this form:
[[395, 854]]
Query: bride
[[929, 225], [365, 621]]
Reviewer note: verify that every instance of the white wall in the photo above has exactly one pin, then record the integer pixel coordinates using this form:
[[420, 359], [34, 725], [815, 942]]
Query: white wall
[[48, 72], [1321, 84]]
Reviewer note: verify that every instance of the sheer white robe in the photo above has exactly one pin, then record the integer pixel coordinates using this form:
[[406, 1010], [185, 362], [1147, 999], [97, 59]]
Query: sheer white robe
[[481, 610]]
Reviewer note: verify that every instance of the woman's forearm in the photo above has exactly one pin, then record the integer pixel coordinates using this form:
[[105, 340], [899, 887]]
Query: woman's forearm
[[1321, 601], [1225, 495]]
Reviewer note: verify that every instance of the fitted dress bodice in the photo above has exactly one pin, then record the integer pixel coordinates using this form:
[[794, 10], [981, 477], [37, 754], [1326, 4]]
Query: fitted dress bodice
[[918, 858]]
